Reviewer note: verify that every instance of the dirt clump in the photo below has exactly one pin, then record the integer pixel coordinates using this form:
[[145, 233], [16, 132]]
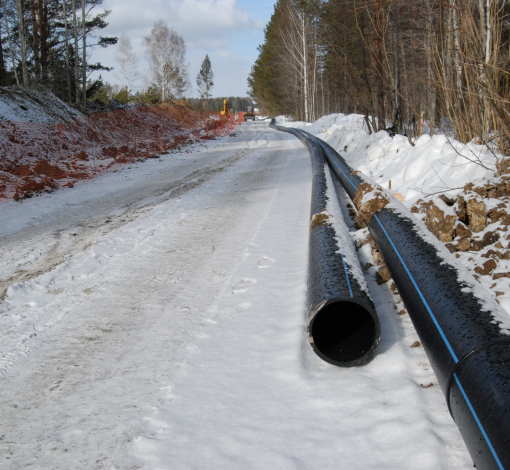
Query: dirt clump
[[451, 247], [461, 209], [495, 215], [319, 219], [490, 238], [477, 214], [487, 268], [441, 225], [500, 276], [463, 245], [462, 231], [382, 275], [369, 200]]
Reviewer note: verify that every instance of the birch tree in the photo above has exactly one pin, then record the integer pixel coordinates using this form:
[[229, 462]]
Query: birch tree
[[296, 50], [76, 63], [21, 33], [127, 61], [66, 42], [166, 53], [84, 52]]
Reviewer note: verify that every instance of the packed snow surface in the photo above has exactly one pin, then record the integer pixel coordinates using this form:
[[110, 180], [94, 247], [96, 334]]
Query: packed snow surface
[[155, 318]]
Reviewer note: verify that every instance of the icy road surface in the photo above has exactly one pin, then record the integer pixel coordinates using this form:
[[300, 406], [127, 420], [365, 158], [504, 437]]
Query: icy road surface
[[155, 318]]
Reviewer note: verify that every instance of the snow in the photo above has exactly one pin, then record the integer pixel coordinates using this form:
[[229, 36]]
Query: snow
[[433, 164], [155, 317], [29, 105], [345, 241]]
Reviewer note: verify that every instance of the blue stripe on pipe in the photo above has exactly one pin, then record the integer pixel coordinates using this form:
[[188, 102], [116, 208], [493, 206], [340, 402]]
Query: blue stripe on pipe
[[347, 275], [496, 458], [348, 179], [411, 277], [480, 426], [448, 345]]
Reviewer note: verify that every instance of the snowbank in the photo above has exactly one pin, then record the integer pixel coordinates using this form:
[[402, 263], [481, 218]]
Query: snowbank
[[433, 164]]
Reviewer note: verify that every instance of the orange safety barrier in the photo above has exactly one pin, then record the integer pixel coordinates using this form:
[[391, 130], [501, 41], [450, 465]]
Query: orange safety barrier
[[42, 157]]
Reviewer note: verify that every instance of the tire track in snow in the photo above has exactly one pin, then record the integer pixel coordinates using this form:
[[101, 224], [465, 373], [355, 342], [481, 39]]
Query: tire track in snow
[[122, 316], [80, 235]]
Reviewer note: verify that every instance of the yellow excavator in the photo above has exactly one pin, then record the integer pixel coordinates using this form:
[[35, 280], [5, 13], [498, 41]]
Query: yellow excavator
[[227, 109], [250, 114]]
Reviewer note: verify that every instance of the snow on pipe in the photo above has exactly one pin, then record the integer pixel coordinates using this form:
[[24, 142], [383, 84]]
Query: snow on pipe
[[343, 327], [463, 330]]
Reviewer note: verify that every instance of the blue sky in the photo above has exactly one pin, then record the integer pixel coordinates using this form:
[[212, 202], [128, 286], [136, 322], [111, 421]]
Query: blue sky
[[228, 30]]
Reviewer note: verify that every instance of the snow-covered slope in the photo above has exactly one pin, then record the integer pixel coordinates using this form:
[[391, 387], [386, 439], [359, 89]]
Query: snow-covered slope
[[27, 105]]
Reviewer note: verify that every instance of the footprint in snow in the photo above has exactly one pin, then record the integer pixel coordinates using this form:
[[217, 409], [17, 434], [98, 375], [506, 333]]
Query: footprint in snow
[[243, 285], [265, 262], [243, 307]]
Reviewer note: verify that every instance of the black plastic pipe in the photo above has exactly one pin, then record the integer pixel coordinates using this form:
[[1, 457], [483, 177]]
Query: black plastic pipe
[[463, 330], [343, 327]]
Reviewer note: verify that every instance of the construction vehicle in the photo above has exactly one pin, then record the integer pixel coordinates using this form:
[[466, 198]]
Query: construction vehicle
[[250, 114], [227, 109]]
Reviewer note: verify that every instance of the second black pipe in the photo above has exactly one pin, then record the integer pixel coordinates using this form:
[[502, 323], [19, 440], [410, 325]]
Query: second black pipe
[[343, 326]]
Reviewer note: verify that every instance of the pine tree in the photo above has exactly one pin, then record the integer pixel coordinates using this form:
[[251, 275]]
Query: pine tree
[[205, 80]]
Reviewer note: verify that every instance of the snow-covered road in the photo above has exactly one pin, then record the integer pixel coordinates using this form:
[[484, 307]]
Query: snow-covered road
[[155, 318]]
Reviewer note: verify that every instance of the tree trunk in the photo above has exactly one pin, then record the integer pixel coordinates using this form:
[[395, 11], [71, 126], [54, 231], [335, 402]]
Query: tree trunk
[[35, 42], [66, 40], [10, 43], [379, 66], [76, 56], [42, 13], [21, 32], [398, 111], [456, 55], [84, 53], [440, 47], [305, 65], [2, 63]]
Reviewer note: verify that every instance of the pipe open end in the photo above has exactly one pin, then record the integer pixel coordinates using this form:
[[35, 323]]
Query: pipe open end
[[345, 333]]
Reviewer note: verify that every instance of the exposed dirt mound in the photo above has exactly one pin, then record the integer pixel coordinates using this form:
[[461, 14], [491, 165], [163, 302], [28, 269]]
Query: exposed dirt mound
[[369, 200], [474, 226], [43, 154]]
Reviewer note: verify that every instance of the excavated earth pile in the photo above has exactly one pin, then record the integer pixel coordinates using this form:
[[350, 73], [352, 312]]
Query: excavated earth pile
[[46, 145], [474, 226]]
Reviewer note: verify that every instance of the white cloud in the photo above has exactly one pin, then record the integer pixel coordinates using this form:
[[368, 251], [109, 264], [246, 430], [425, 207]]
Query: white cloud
[[193, 19]]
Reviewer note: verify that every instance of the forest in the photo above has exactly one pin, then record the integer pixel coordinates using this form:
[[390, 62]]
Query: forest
[[404, 64], [49, 42]]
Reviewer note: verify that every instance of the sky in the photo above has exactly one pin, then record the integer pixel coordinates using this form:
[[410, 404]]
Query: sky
[[229, 31]]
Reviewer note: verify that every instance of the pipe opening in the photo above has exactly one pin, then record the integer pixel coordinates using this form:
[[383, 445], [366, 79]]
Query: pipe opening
[[343, 331]]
